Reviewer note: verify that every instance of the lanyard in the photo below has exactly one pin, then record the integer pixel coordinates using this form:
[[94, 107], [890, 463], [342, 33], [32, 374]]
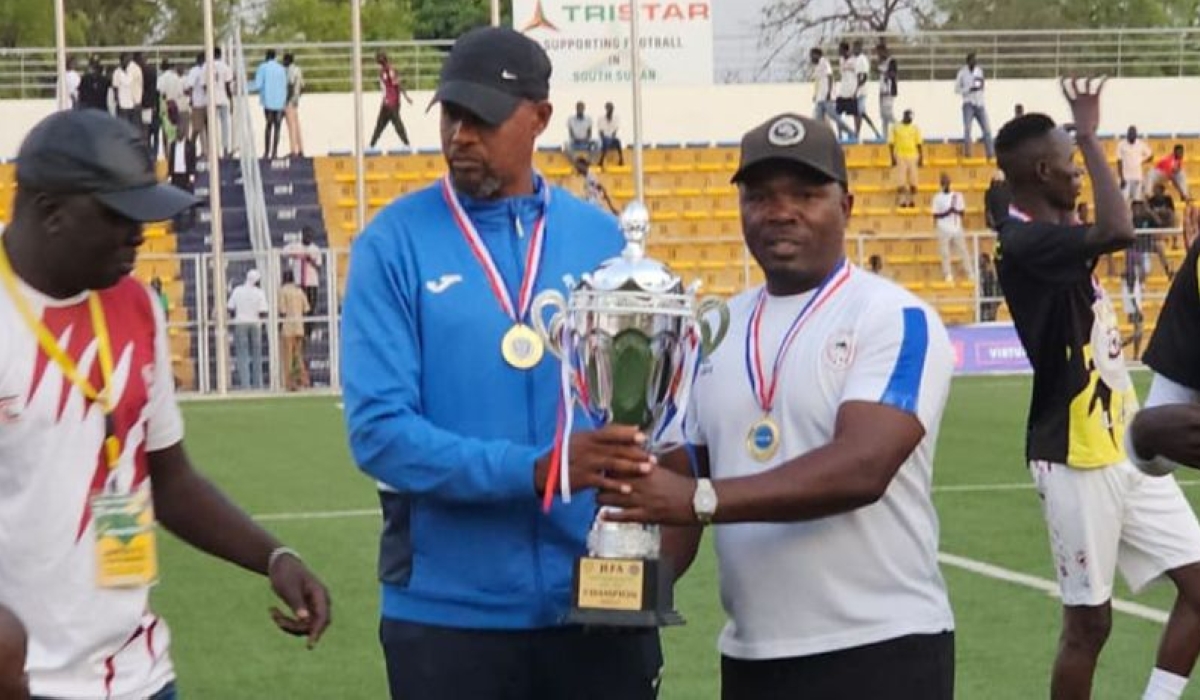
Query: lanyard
[[533, 259], [764, 392], [55, 353]]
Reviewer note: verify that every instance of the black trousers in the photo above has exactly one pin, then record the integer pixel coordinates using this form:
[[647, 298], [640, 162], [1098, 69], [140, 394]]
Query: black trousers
[[568, 663], [389, 115], [916, 667], [186, 219], [271, 138]]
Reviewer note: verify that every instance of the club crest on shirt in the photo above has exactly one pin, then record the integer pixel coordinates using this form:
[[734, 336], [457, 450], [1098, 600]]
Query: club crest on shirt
[[10, 409], [839, 349]]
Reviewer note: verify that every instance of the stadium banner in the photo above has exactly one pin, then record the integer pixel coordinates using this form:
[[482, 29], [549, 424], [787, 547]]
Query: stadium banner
[[982, 348], [588, 42]]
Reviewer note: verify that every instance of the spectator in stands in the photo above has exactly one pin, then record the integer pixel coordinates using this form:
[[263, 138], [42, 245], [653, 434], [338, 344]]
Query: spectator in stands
[[1159, 215], [181, 171], [875, 265], [889, 87], [71, 81], [223, 88], [183, 102], [970, 84], [293, 307], [1161, 206], [93, 88], [607, 127], [1132, 155], [303, 259], [824, 104], [862, 73], [949, 207], [908, 156], [93, 463], [989, 289], [1018, 110], [151, 117], [450, 405], [271, 84], [389, 107], [593, 191], [847, 94], [196, 87], [295, 83], [248, 304], [579, 132], [161, 295], [1170, 168], [996, 201], [14, 642], [170, 95], [126, 81]]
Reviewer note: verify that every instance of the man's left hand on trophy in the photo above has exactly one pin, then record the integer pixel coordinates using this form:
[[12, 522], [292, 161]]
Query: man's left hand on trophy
[[608, 459], [663, 495]]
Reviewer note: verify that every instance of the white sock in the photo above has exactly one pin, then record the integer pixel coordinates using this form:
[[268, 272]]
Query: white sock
[[1164, 685]]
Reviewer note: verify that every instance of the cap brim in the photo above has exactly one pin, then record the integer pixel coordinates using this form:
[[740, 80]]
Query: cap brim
[[151, 203], [815, 173], [487, 103]]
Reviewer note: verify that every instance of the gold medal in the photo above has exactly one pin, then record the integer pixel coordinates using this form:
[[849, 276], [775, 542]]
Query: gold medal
[[522, 347], [763, 439]]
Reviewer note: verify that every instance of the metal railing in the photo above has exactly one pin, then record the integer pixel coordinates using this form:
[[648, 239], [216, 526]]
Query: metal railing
[[935, 55], [30, 73], [938, 55]]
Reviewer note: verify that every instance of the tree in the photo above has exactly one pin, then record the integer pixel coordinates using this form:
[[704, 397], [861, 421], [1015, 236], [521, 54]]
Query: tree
[[789, 27], [329, 20], [440, 19], [1065, 14]]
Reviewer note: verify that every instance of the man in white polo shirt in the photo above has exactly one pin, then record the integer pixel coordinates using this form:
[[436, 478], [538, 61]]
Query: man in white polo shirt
[[814, 425], [1133, 154], [948, 208]]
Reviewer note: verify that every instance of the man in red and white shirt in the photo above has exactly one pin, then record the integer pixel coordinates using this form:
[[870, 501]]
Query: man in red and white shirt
[[389, 108], [91, 438], [1169, 168]]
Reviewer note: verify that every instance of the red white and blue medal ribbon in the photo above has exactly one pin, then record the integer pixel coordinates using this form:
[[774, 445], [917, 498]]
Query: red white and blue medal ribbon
[[521, 347], [763, 438]]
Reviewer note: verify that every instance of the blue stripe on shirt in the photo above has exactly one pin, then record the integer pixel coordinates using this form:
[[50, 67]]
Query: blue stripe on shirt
[[905, 384]]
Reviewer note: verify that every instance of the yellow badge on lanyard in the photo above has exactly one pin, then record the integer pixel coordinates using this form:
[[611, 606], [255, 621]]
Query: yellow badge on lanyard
[[126, 555], [124, 523]]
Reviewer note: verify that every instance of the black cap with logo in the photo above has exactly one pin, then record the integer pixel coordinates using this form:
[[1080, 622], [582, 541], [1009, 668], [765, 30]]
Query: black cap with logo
[[796, 140], [89, 151], [490, 70]]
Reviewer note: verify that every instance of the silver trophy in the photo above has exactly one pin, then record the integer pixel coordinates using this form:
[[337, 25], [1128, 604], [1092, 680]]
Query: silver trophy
[[629, 336]]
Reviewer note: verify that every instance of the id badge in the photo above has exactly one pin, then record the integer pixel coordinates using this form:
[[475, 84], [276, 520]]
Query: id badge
[[126, 555]]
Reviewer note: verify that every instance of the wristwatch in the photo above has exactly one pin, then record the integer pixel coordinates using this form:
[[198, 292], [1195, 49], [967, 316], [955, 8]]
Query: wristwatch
[[704, 501]]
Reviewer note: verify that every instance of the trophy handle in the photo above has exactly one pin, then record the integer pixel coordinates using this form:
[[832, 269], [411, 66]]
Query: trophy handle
[[710, 338], [549, 330]]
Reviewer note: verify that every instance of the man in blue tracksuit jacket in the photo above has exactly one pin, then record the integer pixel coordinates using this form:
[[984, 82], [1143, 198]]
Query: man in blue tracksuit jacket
[[455, 419]]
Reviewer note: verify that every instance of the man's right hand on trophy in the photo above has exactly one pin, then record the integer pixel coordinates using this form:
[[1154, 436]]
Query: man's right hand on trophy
[[602, 459]]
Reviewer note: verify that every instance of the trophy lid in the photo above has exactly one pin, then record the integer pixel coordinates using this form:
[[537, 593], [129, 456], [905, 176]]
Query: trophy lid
[[632, 270]]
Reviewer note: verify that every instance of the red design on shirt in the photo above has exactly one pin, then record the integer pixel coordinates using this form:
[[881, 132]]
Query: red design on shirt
[[131, 330]]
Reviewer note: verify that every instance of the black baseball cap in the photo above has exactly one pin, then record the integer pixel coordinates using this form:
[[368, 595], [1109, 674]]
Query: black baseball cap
[[795, 140], [490, 70], [89, 151]]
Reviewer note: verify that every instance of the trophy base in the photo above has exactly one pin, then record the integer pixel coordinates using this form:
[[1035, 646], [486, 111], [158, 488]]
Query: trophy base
[[623, 593]]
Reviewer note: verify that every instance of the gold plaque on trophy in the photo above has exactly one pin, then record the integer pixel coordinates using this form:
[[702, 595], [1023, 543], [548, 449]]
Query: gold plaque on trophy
[[611, 584]]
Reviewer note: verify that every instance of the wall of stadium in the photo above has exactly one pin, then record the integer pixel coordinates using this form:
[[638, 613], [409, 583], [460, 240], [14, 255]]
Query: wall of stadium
[[723, 112]]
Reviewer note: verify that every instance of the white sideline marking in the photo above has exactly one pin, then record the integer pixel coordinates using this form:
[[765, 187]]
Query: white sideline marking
[[969, 488], [1045, 585], [317, 515], [977, 567]]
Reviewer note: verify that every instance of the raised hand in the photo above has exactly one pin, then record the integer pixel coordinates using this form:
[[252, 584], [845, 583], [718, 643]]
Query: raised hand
[[1083, 95]]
